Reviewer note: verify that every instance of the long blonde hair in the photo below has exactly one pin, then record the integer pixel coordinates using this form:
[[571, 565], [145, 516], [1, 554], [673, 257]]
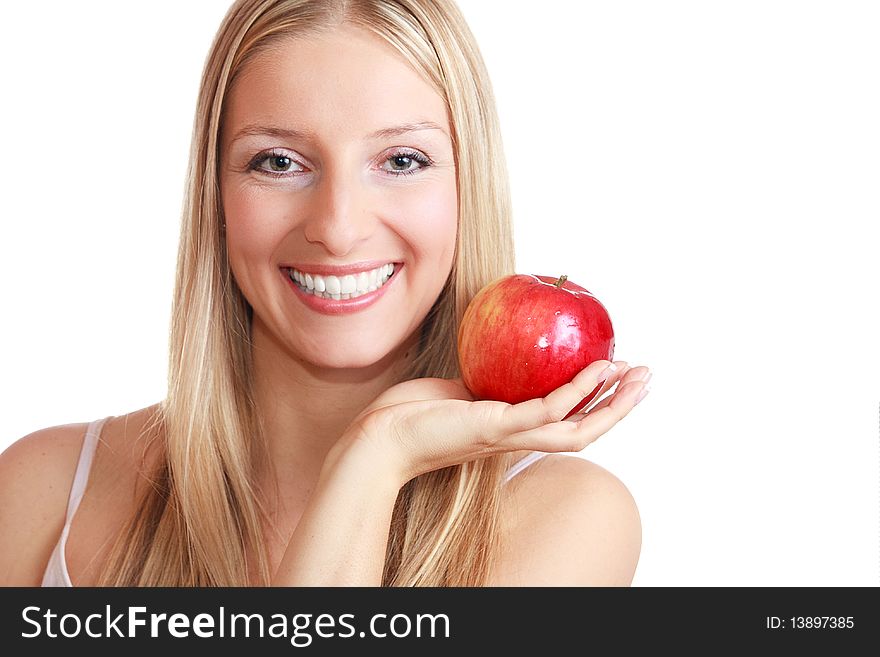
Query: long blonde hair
[[200, 519]]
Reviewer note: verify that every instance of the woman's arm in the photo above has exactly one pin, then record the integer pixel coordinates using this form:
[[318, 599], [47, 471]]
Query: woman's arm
[[419, 426], [342, 536], [565, 522]]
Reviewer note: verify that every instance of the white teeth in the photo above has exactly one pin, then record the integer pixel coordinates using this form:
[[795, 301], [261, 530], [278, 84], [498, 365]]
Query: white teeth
[[332, 284], [363, 282], [347, 284], [347, 287]]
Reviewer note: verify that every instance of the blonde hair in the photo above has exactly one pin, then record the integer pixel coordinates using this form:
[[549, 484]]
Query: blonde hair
[[201, 518]]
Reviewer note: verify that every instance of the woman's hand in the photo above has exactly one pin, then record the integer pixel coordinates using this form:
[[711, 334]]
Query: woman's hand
[[427, 424]]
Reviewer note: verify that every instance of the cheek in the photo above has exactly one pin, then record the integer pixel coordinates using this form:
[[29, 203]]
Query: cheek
[[252, 230], [253, 216], [429, 223]]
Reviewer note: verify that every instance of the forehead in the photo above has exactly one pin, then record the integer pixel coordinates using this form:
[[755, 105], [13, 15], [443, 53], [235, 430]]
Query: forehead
[[347, 81]]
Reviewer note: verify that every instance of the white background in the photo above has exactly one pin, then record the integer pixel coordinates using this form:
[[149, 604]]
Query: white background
[[708, 169]]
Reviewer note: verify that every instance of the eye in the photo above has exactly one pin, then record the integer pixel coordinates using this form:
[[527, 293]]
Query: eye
[[402, 163], [278, 164]]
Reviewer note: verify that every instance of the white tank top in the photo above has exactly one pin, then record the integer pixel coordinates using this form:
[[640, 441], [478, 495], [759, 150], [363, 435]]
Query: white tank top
[[56, 570]]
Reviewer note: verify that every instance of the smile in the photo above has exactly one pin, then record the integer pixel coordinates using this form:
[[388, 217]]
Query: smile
[[338, 288], [353, 293]]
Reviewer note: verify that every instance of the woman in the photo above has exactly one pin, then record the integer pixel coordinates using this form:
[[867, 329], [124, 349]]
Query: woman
[[347, 197]]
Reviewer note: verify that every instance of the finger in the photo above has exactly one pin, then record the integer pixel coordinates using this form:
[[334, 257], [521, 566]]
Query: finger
[[597, 403], [602, 403], [567, 436], [623, 370], [555, 406], [638, 373], [633, 375]]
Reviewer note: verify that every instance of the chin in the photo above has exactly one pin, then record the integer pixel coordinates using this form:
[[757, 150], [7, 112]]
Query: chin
[[350, 356], [344, 362]]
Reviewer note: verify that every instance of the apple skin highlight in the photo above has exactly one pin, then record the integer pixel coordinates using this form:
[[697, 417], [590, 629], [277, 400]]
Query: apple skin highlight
[[522, 336]]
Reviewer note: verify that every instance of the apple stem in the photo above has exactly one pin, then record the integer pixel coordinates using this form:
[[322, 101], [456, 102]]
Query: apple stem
[[561, 280]]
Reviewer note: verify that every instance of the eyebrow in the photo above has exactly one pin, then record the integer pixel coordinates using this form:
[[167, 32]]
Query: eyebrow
[[288, 133]]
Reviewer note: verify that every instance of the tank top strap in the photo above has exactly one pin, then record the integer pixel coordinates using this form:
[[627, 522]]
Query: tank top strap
[[523, 463], [86, 455]]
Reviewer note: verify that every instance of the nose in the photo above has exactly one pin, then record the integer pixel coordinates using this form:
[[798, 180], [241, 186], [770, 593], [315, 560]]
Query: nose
[[338, 214]]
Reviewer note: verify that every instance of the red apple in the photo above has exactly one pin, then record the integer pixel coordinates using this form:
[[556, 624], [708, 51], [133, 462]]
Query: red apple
[[523, 336]]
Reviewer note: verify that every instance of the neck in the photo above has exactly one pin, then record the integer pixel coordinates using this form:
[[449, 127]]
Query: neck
[[305, 409]]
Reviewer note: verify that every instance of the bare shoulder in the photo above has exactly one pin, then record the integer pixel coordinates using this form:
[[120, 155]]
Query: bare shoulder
[[566, 521], [36, 473]]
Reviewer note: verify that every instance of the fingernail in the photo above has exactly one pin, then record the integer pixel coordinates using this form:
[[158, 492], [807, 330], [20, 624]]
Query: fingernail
[[647, 376], [608, 371], [645, 390]]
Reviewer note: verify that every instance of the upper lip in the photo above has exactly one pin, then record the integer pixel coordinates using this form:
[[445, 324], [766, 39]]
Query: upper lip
[[339, 270]]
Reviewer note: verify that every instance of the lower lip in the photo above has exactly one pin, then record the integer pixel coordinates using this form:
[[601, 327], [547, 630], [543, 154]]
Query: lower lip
[[343, 306]]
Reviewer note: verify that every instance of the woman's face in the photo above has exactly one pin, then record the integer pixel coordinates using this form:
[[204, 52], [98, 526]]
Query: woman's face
[[337, 165]]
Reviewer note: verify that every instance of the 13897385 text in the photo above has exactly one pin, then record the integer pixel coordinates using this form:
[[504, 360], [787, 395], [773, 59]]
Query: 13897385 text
[[810, 623]]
